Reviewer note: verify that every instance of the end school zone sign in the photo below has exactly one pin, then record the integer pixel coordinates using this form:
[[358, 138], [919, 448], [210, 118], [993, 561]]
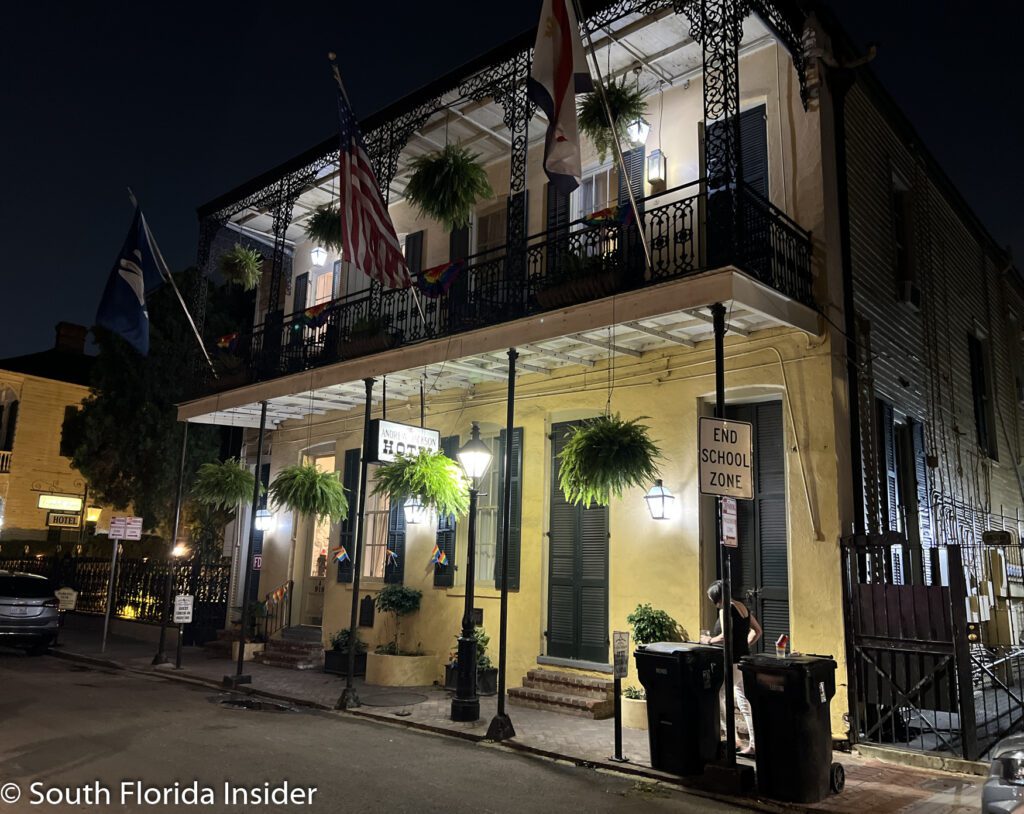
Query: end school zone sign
[[725, 458]]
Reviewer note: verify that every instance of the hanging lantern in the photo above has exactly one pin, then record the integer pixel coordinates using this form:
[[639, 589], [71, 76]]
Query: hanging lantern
[[318, 255], [638, 131], [92, 514], [660, 501], [415, 512], [264, 520], [657, 170]]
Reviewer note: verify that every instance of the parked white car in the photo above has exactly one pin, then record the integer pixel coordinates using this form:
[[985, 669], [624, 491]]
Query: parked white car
[[1003, 792]]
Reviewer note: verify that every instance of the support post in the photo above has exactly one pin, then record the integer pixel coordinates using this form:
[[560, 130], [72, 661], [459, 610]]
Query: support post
[[725, 553], [161, 656], [501, 724], [177, 655], [617, 689], [238, 678], [349, 697], [110, 595], [466, 703]]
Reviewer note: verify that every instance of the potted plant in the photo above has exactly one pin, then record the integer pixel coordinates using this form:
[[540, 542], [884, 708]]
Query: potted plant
[[368, 335], [580, 279], [324, 227], [336, 659], [305, 489], [634, 708], [604, 456], [627, 105], [389, 665], [242, 266], [486, 672], [254, 640], [433, 477], [446, 185]]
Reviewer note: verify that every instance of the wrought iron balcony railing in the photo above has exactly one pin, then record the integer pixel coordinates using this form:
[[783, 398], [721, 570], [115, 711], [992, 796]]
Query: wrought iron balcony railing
[[574, 263]]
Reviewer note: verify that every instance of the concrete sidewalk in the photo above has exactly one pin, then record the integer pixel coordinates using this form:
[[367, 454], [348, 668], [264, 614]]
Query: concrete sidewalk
[[871, 785]]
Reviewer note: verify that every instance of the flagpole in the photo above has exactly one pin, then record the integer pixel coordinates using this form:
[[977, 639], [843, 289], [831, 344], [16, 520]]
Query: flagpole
[[332, 57], [615, 137], [165, 272]]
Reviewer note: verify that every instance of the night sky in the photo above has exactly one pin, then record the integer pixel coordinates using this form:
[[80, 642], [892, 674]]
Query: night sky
[[183, 101]]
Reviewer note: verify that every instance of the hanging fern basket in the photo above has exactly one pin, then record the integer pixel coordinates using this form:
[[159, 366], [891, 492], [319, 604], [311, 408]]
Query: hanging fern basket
[[626, 103], [223, 485], [433, 477], [605, 456], [242, 266], [446, 185], [324, 228], [305, 489]]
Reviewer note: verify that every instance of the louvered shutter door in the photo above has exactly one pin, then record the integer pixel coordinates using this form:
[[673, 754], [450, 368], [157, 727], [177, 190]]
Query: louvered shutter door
[[754, 149], [394, 568], [924, 505], [773, 600], [557, 226], [346, 536], [444, 575], [562, 543], [631, 250], [593, 645], [889, 474], [414, 252], [515, 533]]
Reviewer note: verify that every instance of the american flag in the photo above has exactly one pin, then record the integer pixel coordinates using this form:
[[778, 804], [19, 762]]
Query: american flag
[[368, 236]]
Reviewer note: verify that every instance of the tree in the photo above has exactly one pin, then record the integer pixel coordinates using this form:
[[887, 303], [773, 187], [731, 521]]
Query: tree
[[126, 438]]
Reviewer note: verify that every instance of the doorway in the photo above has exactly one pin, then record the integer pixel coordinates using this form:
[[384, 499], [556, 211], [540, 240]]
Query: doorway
[[761, 562], [314, 571], [577, 571]]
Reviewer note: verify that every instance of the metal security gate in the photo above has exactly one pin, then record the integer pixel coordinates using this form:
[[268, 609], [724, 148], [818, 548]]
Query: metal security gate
[[920, 677]]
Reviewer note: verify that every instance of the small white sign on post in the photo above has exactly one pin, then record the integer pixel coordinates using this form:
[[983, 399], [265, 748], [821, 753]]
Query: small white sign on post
[[183, 609], [730, 533], [67, 598], [620, 653], [125, 528], [726, 458]]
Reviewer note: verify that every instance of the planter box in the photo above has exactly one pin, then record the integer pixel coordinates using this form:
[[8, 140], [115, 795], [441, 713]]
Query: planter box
[[336, 662], [251, 649], [365, 345], [581, 289], [400, 671], [634, 713], [486, 680]]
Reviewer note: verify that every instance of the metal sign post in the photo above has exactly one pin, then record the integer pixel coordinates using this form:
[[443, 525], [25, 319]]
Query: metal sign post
[[620, 669], [67, 599], [121, 528], [182, 616]]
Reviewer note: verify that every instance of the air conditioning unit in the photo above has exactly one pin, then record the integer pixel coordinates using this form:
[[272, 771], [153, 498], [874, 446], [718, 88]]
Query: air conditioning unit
[[909, 293]]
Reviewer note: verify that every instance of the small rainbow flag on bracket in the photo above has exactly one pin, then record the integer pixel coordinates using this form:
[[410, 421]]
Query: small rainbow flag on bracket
[[438, 557], [609, 216], [313, 317], [390, 557], [340, 554], [228, 342], [437, 280]]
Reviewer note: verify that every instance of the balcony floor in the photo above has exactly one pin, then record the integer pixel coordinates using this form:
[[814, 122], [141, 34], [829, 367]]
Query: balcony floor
[[671, 314]]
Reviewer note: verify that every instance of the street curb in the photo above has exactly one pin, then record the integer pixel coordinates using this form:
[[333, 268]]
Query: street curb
[[638, 772]]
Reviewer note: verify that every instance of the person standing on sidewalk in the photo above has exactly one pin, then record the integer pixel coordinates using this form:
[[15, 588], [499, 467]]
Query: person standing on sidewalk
[[746, 630]]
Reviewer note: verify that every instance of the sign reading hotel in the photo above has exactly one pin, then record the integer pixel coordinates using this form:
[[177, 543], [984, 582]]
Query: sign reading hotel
[[726, 458], [389, 439]]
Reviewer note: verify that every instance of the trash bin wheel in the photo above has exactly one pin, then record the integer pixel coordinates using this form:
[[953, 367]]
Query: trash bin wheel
[[837, 778]]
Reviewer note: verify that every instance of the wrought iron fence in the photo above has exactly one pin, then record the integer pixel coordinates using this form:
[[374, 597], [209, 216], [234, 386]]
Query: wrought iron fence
[[572, 263]]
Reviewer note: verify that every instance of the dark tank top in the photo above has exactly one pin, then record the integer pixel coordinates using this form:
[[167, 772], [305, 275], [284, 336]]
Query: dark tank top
[[740, 630]]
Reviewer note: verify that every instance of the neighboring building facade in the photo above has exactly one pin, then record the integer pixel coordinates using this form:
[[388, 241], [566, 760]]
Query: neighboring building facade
[[782, 209], [36, 393]]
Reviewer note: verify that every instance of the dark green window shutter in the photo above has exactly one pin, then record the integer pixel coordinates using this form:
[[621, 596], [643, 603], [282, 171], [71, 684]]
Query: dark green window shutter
[[414, 252], [634, 161], [394, 568], [515, 529], [889, 473], [924, 504], [562, 534], [558, 217], [301, 292], [347, 538], [770, 458], [444, 575], [631, 250]]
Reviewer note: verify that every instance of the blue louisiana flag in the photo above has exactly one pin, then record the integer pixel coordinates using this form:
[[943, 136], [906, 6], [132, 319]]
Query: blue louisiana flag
[[135, 274]]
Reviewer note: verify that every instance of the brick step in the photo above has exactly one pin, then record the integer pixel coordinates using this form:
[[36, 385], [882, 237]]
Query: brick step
[[302, 633], [289, 663], [309, 649], [569, 684], [595, 708]]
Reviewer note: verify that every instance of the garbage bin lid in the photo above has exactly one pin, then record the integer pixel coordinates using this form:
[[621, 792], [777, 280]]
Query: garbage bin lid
[[766, 661], [668, 648]]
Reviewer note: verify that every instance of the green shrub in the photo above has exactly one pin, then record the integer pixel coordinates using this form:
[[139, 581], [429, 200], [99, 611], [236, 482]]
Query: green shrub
[[652, 625], [399, 601]]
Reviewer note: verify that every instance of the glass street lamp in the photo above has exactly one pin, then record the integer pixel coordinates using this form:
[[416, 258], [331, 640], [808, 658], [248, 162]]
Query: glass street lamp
[[318, 255], [415, 512], [475, 457], [92, 514], [179, 551], [264, 520], [660, 501]]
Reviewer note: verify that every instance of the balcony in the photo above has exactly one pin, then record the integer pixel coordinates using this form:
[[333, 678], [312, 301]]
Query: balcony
[[572, 265]]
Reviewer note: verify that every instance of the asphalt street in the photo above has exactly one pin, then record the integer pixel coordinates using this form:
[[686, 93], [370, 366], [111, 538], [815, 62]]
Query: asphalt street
[[79, 738]]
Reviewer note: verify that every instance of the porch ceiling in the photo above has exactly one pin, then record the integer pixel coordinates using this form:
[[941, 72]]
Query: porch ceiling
[[658, 44], [673, 314]]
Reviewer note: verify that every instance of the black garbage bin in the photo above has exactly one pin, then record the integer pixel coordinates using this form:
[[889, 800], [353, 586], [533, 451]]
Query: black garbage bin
[[681, 680], [789, 699]]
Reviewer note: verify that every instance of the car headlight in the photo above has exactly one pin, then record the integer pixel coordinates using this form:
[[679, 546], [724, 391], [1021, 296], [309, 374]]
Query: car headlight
[[1012, 765]]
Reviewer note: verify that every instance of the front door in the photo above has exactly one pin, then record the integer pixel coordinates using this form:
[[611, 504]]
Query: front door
[[315, 567], [577, 571], [761, 563]]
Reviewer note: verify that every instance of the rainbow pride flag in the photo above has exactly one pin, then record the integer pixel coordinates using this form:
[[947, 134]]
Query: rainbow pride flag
[[610, 216], [437, 280], [340, 554], [438, 557], [313, 317], [228, 342]]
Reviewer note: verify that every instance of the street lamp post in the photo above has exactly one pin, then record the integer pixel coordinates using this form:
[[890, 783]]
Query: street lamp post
[[475, 457]]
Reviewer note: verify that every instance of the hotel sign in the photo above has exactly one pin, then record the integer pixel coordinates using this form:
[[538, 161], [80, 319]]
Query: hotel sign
[[60, 503], [63, 520], [389, 439], [726, 458]]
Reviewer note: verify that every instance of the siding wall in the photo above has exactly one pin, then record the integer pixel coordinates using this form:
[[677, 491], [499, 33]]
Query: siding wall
[[919, 358]]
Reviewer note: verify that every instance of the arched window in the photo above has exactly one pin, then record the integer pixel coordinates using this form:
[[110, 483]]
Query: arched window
[[8, 418]]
